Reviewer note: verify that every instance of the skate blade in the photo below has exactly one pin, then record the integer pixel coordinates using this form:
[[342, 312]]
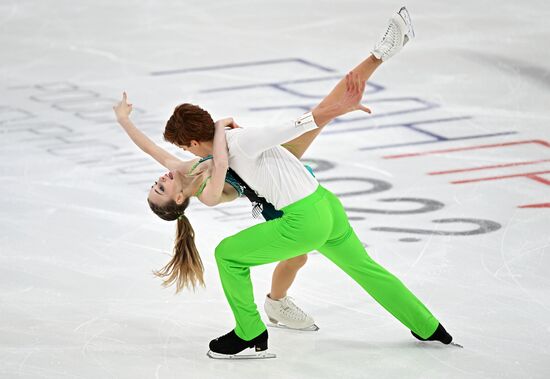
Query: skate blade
[[457, 345], [257, 355], [312, 328], [404, 13]]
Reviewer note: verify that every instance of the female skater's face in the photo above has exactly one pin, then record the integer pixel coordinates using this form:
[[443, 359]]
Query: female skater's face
[[166, 188], [174, 186]]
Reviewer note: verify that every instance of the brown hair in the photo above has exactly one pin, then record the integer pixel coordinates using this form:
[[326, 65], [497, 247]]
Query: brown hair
[[189, 122], [185, 268]]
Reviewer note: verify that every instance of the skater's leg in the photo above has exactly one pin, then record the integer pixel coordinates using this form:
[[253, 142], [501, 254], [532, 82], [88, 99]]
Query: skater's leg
[[347, 252], [299, 145], [398, 33], [299, 231], [284, 275], [281, 309], [363, 69]]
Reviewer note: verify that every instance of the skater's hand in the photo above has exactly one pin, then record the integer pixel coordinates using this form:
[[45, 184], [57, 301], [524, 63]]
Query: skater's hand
[[227, 123], [351, 100], [123, 109]]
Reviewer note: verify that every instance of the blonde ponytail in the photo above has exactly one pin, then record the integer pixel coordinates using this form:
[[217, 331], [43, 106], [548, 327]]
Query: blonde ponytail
[[185, 269]]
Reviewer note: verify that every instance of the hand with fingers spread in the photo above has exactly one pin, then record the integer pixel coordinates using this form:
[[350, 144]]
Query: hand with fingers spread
[[123, 109], [348, 101], [351, 100]]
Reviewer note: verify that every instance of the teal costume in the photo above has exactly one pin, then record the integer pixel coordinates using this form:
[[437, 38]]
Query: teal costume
[[228, 178]]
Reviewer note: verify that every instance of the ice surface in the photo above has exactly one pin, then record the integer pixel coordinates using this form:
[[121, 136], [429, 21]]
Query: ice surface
[[78, 243]]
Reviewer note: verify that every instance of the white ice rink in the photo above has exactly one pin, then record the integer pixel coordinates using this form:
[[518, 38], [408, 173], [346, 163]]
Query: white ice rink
[[463, 219]]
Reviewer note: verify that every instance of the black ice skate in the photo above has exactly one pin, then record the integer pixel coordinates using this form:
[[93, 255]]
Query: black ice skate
[[230, 345], [440, 335]]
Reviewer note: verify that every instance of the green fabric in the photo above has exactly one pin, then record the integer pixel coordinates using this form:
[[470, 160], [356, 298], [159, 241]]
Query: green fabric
[[228, 178], [317, 222], [198, 163], [203, 184]]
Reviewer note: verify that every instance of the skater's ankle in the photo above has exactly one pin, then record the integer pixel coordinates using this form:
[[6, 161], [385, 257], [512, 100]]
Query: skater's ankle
[[375, 60], [277, 297]]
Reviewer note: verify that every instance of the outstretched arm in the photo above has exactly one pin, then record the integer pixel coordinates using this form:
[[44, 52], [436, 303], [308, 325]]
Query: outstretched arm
[[364, 70], [213, 192], [253, 141], [122, 112]]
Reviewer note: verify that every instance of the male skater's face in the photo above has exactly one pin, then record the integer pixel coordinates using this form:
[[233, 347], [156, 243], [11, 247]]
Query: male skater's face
[[199, 149]]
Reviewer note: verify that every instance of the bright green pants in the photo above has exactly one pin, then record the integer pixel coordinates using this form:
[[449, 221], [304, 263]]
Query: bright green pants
[[317, 222]]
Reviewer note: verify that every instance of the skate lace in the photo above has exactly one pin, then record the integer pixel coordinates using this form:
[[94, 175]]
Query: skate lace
[[389, 40], [390, 33], [291, 310]]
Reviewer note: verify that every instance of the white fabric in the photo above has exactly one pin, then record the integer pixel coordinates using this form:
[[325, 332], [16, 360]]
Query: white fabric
[[269, 169]]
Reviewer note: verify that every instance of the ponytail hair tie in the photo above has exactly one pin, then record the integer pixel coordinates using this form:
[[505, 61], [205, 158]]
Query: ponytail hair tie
[[181, 216]]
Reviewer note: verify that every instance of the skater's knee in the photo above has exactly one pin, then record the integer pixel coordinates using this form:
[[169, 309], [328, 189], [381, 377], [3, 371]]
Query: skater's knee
[[223, 250], [296, 262]]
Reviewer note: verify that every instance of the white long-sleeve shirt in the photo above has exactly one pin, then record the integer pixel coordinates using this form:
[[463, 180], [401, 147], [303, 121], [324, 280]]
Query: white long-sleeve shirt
[[271, 170]]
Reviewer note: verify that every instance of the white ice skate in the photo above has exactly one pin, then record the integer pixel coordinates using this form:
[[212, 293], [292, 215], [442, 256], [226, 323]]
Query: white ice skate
[[398, 33], [285, 314]]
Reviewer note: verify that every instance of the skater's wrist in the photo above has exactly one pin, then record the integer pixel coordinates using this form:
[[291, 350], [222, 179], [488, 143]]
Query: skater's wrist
[[123, 119], [322, 115]]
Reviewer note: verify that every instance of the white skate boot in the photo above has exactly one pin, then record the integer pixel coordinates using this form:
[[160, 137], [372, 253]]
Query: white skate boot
[[284, 313], [399, 32]]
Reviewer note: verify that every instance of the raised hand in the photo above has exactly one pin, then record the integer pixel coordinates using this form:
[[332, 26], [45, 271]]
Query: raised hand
[[123, 109]]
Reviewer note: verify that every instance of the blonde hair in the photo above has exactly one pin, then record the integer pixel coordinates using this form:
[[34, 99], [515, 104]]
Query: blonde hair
[[185, 269]]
